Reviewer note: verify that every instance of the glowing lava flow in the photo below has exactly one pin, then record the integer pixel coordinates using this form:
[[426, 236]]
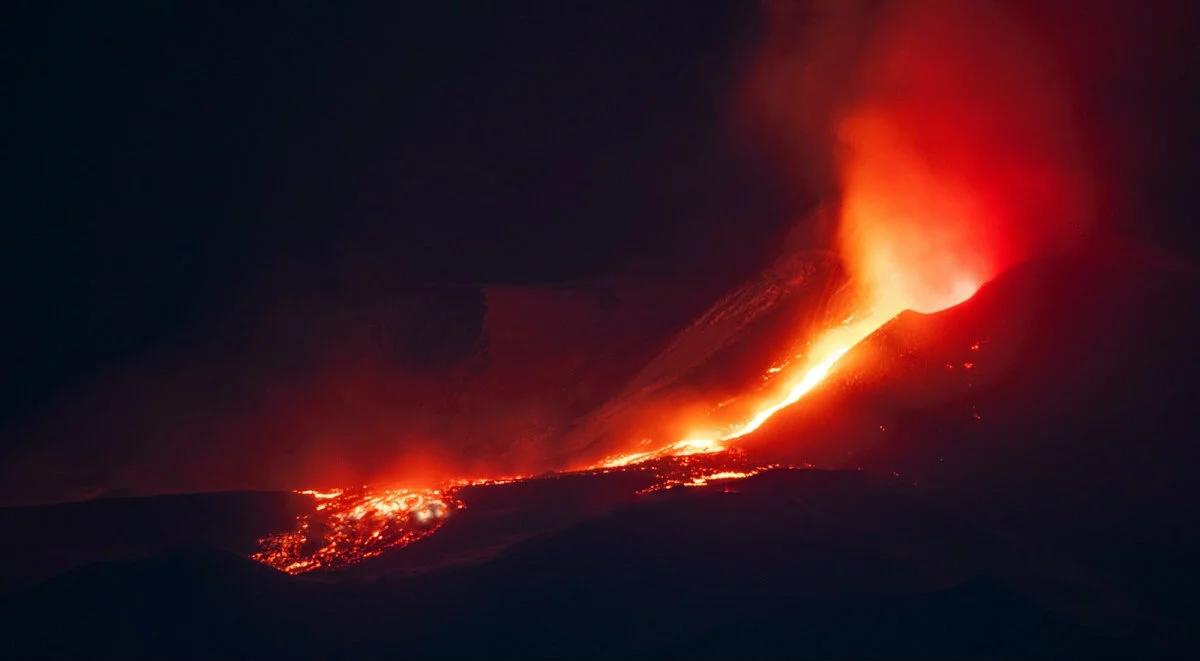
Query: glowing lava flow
[[350, 526], [824, 354]]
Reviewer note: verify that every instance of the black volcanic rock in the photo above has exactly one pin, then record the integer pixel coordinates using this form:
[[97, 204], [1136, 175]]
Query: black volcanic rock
[[49, 539], [788, 564], [1057, 408], [191, 602]]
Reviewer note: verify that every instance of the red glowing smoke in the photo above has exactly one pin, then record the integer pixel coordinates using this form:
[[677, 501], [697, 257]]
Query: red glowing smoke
[[957, 155], [952, 139]]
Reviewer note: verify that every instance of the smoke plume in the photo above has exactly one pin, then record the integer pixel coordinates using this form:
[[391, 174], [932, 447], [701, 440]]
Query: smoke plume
[[946, 130]]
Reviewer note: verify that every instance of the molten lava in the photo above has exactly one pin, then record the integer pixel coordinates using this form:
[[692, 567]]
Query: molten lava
[[350, 526], [346, 527], [823, 355]]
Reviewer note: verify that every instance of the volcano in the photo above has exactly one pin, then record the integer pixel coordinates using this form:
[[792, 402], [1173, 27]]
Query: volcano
[[1011, 476], [796, 329]]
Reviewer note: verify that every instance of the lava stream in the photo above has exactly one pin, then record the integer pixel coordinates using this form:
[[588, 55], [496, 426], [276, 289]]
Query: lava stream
[[824, 354], [350, 526]]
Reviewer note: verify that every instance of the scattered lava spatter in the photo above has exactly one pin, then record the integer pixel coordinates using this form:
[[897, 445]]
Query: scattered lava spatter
[[347, 527], [704, 470]]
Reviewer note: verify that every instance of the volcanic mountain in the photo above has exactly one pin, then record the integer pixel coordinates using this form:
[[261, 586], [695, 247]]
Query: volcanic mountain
[[1008, 477]]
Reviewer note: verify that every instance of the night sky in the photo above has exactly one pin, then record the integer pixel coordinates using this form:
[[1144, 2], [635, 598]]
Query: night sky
[[222, 215]]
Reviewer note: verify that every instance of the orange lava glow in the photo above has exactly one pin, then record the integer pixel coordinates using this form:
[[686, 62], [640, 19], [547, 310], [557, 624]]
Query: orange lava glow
[[825, 352], [702, 477], [350, 526]]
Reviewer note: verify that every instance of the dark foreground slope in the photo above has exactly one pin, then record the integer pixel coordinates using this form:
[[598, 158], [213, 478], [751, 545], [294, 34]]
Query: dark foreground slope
[[50, 539], [1036, 503], [1058, 408], [786, 564]]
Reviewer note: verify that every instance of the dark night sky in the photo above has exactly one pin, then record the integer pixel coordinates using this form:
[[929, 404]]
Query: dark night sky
[[192, 174], [178, 157], [186, 171]]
